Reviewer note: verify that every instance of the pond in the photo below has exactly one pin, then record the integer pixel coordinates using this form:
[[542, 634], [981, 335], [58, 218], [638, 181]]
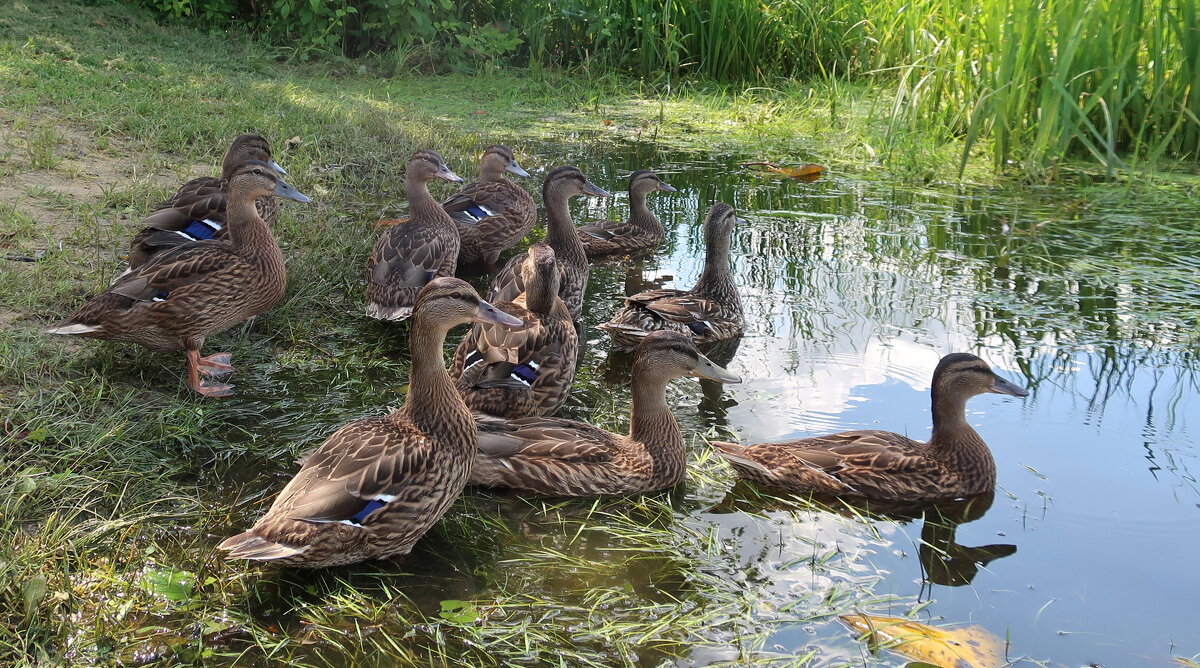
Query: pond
[[853, 289]]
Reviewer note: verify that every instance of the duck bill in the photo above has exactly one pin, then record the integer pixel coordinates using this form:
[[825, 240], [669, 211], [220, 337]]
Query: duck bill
[[516, 169], [707, 370], [667, 188], [1001, 386], [594, 190], [488, 314], [445, 173], [276, 166], [284, 190]]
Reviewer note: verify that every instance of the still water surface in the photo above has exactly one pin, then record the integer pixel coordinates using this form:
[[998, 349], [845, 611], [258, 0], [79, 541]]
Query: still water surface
[[853, 290]]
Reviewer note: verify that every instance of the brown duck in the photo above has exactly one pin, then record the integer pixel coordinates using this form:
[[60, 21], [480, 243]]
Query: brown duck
[[409, 255], [642, 231], [197, 210], [190, 292], [884, 465], [518, 373], [493, 213], [711, 311], [560, 185], [560, 457], [375, 486]]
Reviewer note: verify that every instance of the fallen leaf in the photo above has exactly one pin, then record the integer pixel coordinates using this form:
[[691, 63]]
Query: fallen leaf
[[459, 612], [391, 221], [963, 647], [480, 112], [607, 121], [806, 173], [293, 142]]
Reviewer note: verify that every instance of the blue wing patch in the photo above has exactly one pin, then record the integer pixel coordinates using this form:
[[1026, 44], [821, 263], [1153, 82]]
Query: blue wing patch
[[699, 328], [370, 507], [525, 372], [160, 296], [201, 229], [478, 212]]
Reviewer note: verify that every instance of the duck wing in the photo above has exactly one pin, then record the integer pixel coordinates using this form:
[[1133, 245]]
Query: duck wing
[[544, 438]]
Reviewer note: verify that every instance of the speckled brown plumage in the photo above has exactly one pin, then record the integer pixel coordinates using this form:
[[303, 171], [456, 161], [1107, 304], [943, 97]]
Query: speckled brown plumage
[[710, 311], [955, 462], [493, 213], [642, 231], [561, 184], [518, 373], [193, 291], [375, 486], [560, 457], [197, 210], [413, 253]]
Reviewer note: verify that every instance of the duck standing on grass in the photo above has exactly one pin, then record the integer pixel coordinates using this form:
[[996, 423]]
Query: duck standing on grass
[[711, 311], [518, 373], [559, 457], [197, 210], [410, 254], [561, 184], [493, 213], [375, 486], [187, 293], [643, 230], [883, 465]]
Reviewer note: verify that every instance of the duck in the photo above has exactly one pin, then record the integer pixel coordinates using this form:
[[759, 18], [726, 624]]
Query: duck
[[189, 292], [561, 457], [409, 255], [885, 466], [711, 311], [643, 230], [526, 372], [493, 213], [376, 485], [197, 210], [560, 185]]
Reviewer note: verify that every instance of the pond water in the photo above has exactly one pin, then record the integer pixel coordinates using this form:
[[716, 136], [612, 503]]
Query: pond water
[[853, 290]]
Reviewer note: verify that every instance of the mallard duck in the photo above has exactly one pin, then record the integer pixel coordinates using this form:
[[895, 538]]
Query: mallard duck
[[562, 457], [561, 184], [197, 210], [528, 371], [375, 486], [493, 213], [710, 311], [409, 255], [190, 292], [643, 229], [884, 465]]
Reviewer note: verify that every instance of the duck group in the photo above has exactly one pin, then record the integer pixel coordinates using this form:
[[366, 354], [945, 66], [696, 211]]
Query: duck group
[[207, 259]]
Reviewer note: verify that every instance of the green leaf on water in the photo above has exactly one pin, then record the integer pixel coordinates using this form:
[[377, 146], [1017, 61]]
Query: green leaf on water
[[35, 591], [459, 612], [169, 583]]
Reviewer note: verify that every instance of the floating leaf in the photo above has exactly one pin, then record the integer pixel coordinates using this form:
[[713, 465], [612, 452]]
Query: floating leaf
[[169, 583], [807, 172], [964, 647], [459, 612]]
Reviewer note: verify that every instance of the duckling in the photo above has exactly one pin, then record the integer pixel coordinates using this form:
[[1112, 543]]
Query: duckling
[[561, 184], [642, 231], [528, 371], [190, 292], [197, 210], [560, 457], [882, 465], [409, 255], [710, 311], [493, 213], [375, 486]]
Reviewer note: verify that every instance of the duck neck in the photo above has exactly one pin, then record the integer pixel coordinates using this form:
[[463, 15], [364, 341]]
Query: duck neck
[[421, 205], [653, 425], [248, 232], [716, 282], [490, 174], [432, 402], [560, 232], [539, 297], [641, 216], [955, 442]]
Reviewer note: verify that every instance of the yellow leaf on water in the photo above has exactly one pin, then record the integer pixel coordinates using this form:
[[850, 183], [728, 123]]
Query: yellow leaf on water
[[963, 647], [807, 172]]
